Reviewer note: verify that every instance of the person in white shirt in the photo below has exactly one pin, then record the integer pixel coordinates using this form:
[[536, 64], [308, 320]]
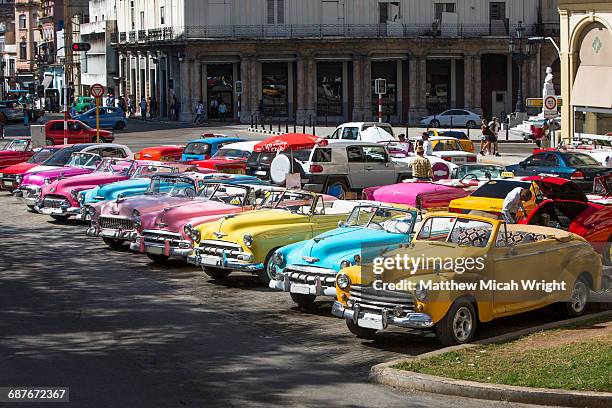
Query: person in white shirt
[[514, 202], [427, 144], [494, 127]]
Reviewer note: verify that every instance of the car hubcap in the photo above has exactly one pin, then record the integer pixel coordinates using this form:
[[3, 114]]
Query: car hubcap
[[271, 269], [579, 297], [462, 324]]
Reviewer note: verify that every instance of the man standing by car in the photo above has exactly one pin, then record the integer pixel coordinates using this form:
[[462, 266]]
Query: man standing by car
[[494, 127], [421, 167], [427, 144], [513, 202]]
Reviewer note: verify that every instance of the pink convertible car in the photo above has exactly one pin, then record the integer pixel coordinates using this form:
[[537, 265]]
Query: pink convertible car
[[171, 231], [59, 198], [424, 195]]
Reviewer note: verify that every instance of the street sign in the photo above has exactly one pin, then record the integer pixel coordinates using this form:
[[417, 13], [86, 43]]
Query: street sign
[[238, 87], [380, 86], [539, 103], [550, 107], [96, 90]]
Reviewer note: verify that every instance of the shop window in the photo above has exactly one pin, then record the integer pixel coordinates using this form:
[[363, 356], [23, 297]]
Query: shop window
[[440, 8], [329, 89], [274, 88], [497, 10], [276, 11], [220, 83]]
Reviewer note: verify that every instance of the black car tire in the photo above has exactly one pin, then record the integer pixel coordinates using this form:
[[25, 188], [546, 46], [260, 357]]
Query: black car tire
[[434, 123], [113, 242], [461, 318], [62, 218], [158, 258], [470, 124], [217, 274], [360, 332], [302, 300], [95, 140], [119, 125], [579, 300]]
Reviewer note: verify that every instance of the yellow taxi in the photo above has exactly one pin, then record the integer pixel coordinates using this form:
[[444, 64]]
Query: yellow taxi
[[464, 140]]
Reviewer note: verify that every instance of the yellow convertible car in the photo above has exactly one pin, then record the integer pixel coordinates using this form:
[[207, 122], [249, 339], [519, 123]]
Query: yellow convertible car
[[247, 241], [462, 270]]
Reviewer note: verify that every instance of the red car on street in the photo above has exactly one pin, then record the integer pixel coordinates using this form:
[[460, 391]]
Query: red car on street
[[230, 158], [8, 175], [566, 207], [77, 132], [15, 151]]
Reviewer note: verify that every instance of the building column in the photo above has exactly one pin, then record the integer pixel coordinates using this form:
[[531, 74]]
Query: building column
[[357, 84], [290, 90], [532, 73], [477, 86], [182, 84], [196, 83], [367, 89], [246, 107], [345, 91], [311, 80], [453, 84], [398, 92], [300, 113], [468, 82], [417, 88]]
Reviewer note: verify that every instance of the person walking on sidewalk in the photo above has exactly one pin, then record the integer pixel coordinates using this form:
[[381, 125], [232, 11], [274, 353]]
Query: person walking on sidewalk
[[152, 108], [199, 112], [484, 137], [222, 110], [494, 127], [214, 107], [143, 108], [130, 106]]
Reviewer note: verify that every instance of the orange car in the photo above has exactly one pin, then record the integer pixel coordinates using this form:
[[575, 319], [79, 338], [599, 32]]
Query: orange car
[[166, 153]]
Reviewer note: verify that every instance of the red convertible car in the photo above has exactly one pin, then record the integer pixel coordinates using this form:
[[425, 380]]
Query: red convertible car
[[10, 177], [567, 207], [230, 158], [15, 151]]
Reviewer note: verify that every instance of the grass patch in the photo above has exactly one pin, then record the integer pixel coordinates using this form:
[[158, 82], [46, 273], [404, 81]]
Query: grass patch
[[584, 365]]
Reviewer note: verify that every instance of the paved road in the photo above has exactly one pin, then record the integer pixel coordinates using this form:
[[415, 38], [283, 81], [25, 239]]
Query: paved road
[[122, 332]]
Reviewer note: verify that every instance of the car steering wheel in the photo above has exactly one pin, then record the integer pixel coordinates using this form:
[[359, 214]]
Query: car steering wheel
[[469, 177]]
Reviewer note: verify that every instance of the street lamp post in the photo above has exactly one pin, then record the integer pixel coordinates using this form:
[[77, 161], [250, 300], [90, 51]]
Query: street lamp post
[[515, 46]]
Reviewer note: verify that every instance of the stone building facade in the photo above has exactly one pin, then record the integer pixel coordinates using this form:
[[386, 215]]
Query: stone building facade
[[318, 59]]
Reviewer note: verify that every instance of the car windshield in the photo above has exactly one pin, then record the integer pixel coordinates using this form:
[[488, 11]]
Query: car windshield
[[447, 146], [389, 219], [79, 159], [299, 203], [224, 193], [261, 158], [149, 171], [83, 125], [499, 188], [16, 145], [579, 159], [480, 171], [42, 155], [172, 186], [61, 157], [453, 230], [115, 166], [302, 155], [197, 148], [231, 154]]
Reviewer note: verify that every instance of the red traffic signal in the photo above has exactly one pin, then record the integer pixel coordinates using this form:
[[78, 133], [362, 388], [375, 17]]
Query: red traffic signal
[[80, 47]]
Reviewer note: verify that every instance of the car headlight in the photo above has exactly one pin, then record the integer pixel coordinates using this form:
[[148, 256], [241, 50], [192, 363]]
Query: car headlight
[[136, 219], [19, 179], [248, 240], [343, 281], [47, 181], [278, 258], [345, 264], [81, 198], [421, 292], [357, 259], [192, 233], [1, 175], [90, 210]]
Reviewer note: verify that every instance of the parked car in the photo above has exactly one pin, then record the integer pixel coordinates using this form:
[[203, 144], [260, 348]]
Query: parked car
[[341, 167], [476, 173], [466, 144], [451, 150], [59, 198], [308, 269], [109, 118], [576, 166], [508, 255], [136, 185], [172, 231], [119, 221], [11, 176], [452, 118], [165, 153], [426, 196], [80, 162], [12, 111], [78, 132], [246, 242], [231, 158], [83, 103], [602, 190], [202, 149], [566, 207], [15, 151], [374, 132]]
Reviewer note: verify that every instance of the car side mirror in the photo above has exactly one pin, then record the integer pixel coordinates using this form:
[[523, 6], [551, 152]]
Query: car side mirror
[[341, 224]]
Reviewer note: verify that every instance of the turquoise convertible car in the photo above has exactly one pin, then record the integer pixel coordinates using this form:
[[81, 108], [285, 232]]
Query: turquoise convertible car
[[308, 269]]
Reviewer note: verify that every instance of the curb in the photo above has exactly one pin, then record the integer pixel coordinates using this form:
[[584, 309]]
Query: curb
[[386, 375]]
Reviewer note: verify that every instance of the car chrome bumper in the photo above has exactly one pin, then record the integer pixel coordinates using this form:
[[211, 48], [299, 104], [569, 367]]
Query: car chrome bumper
[[282, 282], [381, 321], [58, 211], [199, 259], [166, 250], [111, 233]]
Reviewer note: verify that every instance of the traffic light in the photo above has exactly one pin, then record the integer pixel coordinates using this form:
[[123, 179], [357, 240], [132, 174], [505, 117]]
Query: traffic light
[[81, 47]]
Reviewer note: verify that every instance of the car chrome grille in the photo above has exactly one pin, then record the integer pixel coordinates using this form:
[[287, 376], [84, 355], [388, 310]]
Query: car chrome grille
[[375, 300], [55, 202], [308, 275], [159, 238], [220, 248], [123, 224]]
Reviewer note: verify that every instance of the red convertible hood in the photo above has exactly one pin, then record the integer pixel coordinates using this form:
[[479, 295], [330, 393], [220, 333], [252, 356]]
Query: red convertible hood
[[556, 188], [19, 168], [217, 164]]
